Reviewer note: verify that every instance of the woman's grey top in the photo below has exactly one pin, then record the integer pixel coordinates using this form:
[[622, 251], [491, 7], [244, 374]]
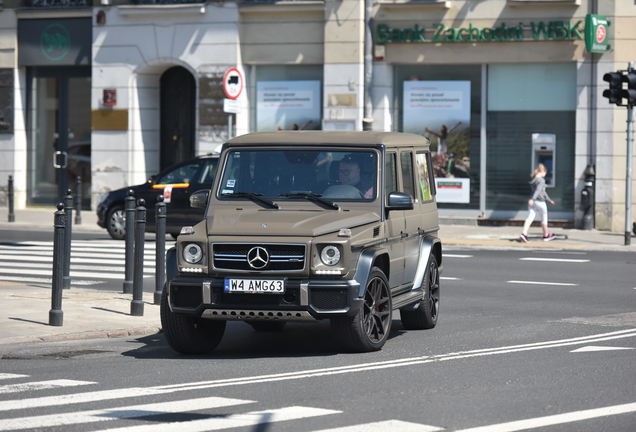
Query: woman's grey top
[[538, 190]]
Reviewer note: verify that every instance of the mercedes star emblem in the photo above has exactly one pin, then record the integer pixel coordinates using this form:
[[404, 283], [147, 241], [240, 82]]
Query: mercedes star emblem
[[258, 257]]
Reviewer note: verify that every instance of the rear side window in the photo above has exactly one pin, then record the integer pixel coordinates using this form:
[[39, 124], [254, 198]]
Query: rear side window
[[425, 185], [183, 174]]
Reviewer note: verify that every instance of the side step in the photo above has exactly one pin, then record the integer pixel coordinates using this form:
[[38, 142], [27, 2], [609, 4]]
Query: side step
[[407, 299]]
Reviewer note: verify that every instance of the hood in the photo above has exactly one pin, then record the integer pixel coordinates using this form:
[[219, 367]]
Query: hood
[[285, 222]]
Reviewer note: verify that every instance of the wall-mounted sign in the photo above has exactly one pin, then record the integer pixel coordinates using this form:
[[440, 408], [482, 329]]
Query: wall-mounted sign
[[54, 42], [109, 97], [552, 30], [596, 40]]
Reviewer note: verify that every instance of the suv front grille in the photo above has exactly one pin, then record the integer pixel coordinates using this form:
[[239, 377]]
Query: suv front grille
[[186, 296], [282, 257]]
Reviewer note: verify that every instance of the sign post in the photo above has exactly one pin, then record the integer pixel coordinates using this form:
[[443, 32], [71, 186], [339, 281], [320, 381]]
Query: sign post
[[232, 86]]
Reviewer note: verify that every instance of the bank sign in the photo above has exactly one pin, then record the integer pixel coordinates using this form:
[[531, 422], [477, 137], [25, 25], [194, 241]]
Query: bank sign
[[532, 31]]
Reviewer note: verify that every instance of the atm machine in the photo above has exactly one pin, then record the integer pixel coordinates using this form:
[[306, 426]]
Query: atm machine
[[544, 151]]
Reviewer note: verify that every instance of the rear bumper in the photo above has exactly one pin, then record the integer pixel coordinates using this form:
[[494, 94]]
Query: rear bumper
[[304, 300]]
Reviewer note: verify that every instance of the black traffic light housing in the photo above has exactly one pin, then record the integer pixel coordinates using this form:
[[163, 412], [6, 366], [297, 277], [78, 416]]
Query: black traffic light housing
[[615, 91], [630, 92]]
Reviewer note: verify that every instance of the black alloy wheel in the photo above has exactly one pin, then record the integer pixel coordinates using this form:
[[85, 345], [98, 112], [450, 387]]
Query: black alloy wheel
[[370, 328], [425, 316]]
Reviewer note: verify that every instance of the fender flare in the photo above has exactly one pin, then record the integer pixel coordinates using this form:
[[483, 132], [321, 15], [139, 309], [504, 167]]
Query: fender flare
[[172, 270], [430, 246], [365, 265]]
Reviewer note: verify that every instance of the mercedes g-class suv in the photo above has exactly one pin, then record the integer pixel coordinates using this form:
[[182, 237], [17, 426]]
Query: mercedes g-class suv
[[304, 226]]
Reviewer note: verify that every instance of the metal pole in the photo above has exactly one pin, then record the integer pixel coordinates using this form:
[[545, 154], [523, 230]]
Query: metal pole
[[367, 119], [229, 126], [129, 209], [68, 209], [137, 304], [628, 180], [78, 207], [56, 316], [160, 257], [10, 193]]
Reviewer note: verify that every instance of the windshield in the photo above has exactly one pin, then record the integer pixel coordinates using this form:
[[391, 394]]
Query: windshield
[[293, 173]]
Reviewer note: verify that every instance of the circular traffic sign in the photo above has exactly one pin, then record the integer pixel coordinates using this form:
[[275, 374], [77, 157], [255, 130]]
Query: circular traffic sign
[[232, 83]]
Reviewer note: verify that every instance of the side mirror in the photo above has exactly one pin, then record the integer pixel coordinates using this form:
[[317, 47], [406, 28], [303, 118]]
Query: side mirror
[[152, 179], [399, 201], [199, 199]]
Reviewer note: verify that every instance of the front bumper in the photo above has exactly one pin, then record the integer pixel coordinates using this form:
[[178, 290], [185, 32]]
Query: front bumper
[[304, 300]]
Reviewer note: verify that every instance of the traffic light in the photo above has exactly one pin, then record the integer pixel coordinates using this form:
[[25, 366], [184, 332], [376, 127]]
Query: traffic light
[[630, 93], [615, 91]]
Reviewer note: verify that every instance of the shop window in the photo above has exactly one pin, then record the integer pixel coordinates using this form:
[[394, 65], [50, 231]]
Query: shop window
[[443, 103], [544, 104], [287, 97]]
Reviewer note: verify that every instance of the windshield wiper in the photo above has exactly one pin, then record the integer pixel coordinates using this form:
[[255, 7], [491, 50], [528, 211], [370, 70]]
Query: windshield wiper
[[253, 196], [312, 197]]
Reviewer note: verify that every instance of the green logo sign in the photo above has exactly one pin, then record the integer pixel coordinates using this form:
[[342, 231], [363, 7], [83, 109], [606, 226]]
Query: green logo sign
[[596, 34], [55, 42]]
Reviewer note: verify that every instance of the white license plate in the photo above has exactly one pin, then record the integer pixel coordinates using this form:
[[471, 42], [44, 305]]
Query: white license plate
[[266, 286]]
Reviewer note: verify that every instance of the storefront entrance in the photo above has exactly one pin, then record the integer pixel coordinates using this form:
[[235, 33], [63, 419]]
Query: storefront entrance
[[60, 134]]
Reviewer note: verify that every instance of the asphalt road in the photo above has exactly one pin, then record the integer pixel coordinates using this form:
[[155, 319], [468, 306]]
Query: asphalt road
[[526, 340]]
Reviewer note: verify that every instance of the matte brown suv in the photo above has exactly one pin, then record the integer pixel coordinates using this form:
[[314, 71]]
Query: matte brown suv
[[304, 226]]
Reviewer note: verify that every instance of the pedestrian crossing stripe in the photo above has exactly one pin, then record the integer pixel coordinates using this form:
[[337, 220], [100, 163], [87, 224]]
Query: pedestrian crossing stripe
[[387, 425], [11, 376], [41, 385], [127, 412]]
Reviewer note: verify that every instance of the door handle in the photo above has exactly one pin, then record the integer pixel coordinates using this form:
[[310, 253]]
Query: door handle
[[60, 159]]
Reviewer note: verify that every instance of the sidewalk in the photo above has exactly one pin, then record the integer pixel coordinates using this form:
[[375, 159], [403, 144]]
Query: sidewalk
[[92, 313]]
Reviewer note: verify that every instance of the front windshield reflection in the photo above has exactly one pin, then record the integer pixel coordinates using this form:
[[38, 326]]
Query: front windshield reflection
[[290, 173]]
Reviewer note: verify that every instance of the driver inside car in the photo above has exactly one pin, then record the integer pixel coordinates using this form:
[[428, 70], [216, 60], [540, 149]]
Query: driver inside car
[[350, 174]]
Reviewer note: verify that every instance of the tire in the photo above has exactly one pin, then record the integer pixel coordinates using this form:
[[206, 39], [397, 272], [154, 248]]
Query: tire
[[425, 316], [116, 222], [189, 335], [267, 326], [370, 328]]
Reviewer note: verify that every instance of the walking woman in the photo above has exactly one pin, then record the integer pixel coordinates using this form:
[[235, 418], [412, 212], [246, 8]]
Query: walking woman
[[537, 204]]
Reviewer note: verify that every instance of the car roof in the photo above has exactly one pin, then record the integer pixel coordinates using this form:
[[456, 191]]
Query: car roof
[[348, 138]]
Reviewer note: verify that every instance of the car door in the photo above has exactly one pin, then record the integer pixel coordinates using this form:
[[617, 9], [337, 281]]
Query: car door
[[412, 218], [394, 224]]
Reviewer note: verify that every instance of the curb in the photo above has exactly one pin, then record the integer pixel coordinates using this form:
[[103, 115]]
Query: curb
[[142, 331]]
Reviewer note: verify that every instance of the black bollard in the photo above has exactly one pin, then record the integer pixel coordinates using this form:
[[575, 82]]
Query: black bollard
[[129, 209], [78, 204], [10, 197], [56, 316], [160, 256], [68, 209], [137, 304]]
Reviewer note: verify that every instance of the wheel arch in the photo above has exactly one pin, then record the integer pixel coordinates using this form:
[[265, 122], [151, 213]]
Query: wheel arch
[[368, 259]]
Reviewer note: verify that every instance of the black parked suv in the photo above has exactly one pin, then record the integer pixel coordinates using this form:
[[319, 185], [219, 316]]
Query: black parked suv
[[180, 180]]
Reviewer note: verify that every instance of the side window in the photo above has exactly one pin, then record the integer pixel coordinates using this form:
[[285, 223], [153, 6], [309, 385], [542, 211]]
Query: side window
[[425, 190], [181, 174], [390, 174], [406, 162]]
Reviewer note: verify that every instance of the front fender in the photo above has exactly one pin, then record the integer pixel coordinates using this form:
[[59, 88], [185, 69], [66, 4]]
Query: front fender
[[172, 271], [365, 265]]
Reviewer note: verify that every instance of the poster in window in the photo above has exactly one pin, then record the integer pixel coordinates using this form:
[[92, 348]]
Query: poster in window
[[440, 110], [288, 105]]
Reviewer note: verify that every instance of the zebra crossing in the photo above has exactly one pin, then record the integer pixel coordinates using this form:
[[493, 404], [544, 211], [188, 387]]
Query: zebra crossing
[[92, 261], [207, 413]]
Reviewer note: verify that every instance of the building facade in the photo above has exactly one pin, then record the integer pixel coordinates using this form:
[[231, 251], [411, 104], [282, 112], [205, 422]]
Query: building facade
[[112, 91]]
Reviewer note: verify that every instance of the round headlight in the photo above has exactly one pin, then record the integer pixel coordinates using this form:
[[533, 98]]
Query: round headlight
[[192, 253], [330, 255]]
